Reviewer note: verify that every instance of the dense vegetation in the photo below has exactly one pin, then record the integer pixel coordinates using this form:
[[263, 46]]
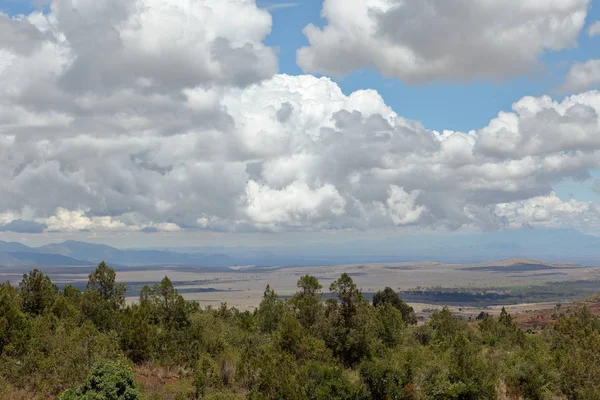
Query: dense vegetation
[[90, 344]]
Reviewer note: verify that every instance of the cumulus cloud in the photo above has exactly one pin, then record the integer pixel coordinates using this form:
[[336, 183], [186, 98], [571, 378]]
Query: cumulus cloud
[[583, 76], [550, 211], [94, 143], [421, 41]]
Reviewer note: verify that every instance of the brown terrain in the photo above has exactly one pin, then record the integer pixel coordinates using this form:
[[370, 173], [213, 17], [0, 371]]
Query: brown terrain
[[540, 319]]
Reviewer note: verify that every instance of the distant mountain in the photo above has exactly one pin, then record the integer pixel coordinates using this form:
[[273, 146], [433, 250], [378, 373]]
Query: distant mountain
[[13, 246], [553, 245], [22, 258], [97, 252]]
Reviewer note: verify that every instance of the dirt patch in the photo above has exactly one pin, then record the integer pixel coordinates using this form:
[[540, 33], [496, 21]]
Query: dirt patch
[[540, 319]]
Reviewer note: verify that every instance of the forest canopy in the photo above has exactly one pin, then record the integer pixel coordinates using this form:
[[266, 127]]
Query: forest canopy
[[82, 345]]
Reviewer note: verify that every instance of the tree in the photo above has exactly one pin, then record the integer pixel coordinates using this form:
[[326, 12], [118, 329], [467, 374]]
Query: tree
[[14, 326], [310, 285], [388, 296], [103, 298], [307, 303], [348, 295], [166, 305], [37, 292], [103, 281], [328, 381], [392, 324], [385, 379], [353, 324], [445, 326], [505, 319], [108, 380], [137, 335], [270, 311]]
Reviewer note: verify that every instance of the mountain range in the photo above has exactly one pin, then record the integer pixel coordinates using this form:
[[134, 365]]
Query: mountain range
[[554, 245]]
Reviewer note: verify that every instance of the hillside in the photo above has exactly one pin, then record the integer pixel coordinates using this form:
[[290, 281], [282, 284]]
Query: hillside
[[544, 318]]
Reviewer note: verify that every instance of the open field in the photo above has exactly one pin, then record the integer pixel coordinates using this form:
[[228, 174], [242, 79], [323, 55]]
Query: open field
[[466, 288]]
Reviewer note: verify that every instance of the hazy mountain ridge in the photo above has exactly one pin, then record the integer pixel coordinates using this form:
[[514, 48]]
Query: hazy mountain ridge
[[549, 245], [82, 253]]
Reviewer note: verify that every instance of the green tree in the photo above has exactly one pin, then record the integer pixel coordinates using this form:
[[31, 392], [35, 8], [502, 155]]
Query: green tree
[[328, 381], [391, 324], [270, 311], [385, 379], [166, 306], [348, 295], [388, 296], [37, 292], [353, 325], [445, 326], [137, 334], [103, 298], [307, 303], [206, 376], [103, 282], [14, 325]]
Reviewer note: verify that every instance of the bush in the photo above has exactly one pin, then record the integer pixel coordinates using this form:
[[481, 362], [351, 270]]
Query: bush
[[108, 380]]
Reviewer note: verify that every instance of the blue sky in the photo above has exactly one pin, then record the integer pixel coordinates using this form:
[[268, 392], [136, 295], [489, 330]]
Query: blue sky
[[445, 103]]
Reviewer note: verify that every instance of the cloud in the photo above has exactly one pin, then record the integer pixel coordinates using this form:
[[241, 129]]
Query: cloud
[[550, 211], [583, 76], [279, 6], [594, 29], [420, 41], [129, 146]]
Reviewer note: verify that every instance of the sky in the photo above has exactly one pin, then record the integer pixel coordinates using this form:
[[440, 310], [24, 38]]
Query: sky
[[204, 122]]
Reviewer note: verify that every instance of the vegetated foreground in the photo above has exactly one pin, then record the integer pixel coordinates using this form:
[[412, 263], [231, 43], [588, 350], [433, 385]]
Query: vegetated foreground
[[91, 345]]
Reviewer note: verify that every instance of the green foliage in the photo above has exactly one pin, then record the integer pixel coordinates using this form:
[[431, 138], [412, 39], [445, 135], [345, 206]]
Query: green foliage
[[14, 325], [325, 381], [107, 381], [206, 376], [576, 344], [391, 324], [137, 335], [37, 292], [388, 296], [386, 380], [352, 327], [278, 378], [445, 327], [528, 374], [165, 305], [270, 311], [304, 348], [307, 304], [349, 297], [103, 298]]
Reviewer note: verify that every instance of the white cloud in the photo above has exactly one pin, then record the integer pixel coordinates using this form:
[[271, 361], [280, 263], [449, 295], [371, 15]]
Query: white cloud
[[279, 6], [550, 211], [99, 146], [583, 76], [594, 29], [70, 221], [402, 208], [425, 40], [293, 205]]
